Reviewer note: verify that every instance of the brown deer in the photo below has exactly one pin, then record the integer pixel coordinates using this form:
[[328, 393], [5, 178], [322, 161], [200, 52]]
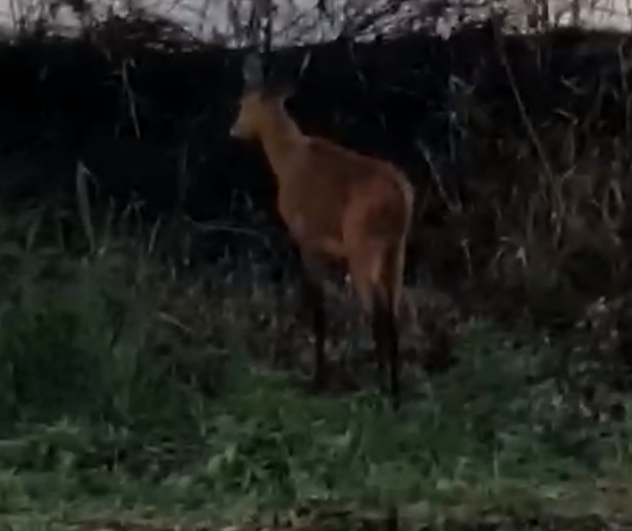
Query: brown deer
[[340, 207]]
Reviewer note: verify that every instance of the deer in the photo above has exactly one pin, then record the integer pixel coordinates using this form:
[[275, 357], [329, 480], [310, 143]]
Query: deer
[[340, 208]]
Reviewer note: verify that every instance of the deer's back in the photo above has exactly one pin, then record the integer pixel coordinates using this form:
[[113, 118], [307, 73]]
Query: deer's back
[[332, 193]]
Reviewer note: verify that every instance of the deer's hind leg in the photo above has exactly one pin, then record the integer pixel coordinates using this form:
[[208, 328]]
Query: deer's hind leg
[[386, 314], [313, 295], [364, 267], [375, 270]]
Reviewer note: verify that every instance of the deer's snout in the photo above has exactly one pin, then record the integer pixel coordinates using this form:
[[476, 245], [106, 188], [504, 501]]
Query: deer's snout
[[238, 130]]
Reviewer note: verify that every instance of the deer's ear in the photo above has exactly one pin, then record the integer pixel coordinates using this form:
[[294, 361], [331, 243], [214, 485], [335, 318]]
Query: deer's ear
[[253, 71]]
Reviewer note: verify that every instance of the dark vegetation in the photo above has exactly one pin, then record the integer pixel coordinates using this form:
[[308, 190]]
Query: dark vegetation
[[141, 259]]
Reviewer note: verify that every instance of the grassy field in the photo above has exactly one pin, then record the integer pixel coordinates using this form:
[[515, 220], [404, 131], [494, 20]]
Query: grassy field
[[130, 392]]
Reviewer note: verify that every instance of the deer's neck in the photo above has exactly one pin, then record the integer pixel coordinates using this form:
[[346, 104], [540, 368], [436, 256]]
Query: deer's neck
[[280, 137]]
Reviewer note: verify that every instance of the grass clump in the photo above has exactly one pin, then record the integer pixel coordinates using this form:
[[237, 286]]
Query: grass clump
[[127, 389]]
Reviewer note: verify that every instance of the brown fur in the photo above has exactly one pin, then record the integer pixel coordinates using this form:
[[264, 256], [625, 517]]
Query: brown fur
[[340, 207]]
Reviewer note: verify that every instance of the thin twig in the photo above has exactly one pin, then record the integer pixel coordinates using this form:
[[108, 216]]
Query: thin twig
[[524, 115]]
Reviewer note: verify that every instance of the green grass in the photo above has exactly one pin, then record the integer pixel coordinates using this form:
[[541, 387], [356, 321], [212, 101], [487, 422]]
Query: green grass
[[129, 391]]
